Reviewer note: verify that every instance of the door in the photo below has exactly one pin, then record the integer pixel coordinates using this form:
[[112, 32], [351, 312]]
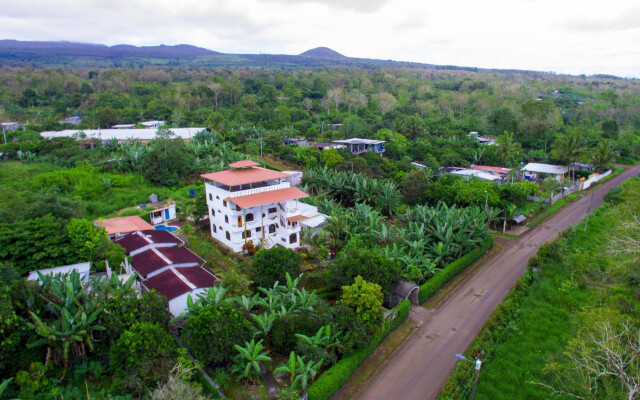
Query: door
[[166, 214], [240, 221]]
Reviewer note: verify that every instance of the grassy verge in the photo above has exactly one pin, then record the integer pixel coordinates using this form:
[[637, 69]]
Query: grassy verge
[[552, 209], [523, 342]]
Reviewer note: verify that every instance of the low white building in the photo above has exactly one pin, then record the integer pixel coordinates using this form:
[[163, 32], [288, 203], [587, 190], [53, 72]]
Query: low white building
[[121, 135], [252, 204], [162, 214], [532, 171], [152, 124], [83, 270], [123, 126], [482, 175], [360, 146]]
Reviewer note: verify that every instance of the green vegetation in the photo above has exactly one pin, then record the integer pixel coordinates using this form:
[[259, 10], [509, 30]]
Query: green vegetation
[[569, 324]]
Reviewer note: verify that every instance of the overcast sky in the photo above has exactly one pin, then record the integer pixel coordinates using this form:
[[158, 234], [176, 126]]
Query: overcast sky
[[565, 36]]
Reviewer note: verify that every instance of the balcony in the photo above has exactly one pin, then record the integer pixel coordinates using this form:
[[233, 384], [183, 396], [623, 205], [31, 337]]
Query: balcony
[[226, 194]]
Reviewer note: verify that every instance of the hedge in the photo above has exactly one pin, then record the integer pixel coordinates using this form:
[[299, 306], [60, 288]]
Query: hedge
[[333, 378], [451, 270]]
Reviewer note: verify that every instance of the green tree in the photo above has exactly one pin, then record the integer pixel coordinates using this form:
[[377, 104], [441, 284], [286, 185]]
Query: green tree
[[569, 147], [358, 260], [603, 156], [168, 161], [508, 148], [271, 265], [365, 298], [211, 332], [142, 356], [331, 158], [414, 185]]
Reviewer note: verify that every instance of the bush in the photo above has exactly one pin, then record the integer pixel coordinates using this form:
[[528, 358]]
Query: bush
[[451, 270], [333, 378], [283, 332], [271, 265], [142, 356], [211, 332]]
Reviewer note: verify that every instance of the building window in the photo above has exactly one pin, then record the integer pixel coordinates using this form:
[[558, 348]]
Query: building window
[[218, 197], [210, 197], [293, 238], [259, 229], [228, 236], [246, 234], [272, 228], [214, 228], [248, 217], [224, 203], [272, 210], [213, 212], [226, 219]]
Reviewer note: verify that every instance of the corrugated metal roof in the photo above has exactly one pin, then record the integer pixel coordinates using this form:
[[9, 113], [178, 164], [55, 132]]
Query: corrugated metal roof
[[235, 177], [546, 168], [268, 197], [139, 239], [359, 141], [122, 134]]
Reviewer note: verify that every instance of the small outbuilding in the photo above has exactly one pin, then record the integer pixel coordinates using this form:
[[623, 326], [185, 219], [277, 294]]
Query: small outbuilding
[[119, 226], [163, 214], [404, 291], [83, 269], [532, 171]]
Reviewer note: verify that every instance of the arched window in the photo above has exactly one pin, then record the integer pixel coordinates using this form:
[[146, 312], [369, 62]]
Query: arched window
[[228, 236], [210, 196], [224, 203], [213, 212], [272, 228], [248, 217], [213, 227], [226, 219], [293, 238]]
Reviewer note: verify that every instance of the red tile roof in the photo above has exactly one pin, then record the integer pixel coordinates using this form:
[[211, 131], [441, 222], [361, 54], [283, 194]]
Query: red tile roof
[[139, 239], [244, 164], [234, 177], [152, 259], [268, 197], [168, 284], [297, 218], [198, 276], [123, 224]]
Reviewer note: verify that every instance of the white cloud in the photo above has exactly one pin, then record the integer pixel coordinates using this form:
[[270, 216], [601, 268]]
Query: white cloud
[[569, 36]]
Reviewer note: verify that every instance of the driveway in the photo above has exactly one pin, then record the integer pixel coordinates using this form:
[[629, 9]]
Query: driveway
[[420, 367]]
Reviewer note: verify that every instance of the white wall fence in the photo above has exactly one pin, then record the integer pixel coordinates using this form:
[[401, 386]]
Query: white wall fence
[[594, 178]]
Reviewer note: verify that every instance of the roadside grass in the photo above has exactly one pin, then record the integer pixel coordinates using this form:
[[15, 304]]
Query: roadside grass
[[552, 209], [539, 327]]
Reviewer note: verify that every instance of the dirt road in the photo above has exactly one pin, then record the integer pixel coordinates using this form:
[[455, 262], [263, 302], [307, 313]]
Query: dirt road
[[420, 367]]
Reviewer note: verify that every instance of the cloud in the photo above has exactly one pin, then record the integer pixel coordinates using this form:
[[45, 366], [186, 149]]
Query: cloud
[[360, 6], [624, 21]]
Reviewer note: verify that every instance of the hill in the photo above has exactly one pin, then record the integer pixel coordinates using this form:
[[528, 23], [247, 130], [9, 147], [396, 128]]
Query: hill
[[322, 52]]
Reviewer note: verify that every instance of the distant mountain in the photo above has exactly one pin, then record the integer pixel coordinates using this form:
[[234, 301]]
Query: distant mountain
[[322, 52], [87, 55], [14, 52]]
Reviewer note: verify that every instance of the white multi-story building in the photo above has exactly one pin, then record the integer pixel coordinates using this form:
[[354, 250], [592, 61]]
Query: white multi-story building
[[252, 204]]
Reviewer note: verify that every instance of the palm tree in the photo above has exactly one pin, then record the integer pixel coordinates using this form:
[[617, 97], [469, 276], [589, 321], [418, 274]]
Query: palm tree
[[247, 361], [603, 156], [569, 147], [508, 148]]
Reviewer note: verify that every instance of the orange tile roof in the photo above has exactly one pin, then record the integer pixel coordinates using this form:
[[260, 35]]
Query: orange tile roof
[[296, 218], [244, 164], [123, 224], [234, 177], [269, 197]]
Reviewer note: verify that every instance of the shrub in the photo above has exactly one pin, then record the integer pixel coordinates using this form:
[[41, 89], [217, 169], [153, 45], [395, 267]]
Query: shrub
[[271, 265], [451, 270], [333, 378], [211, 332], [283, 333], [142, 356]]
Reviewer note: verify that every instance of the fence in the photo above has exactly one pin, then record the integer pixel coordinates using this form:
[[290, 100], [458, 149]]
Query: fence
[[594, 178]]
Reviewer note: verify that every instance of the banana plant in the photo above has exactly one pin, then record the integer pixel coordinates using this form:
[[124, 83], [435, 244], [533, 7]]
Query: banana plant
[[247, 361], [264, 322]]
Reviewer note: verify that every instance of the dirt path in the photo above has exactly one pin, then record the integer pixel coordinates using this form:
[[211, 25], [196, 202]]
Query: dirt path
[[419, 369]]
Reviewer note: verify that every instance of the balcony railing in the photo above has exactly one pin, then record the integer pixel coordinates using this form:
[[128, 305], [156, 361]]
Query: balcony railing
[[226, 194]]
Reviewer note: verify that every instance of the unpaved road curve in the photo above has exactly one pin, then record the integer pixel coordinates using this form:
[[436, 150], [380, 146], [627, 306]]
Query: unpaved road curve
[[420, 367]]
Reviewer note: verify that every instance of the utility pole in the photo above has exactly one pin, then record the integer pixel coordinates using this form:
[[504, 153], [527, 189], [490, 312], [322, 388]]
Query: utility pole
[[475, 381]]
